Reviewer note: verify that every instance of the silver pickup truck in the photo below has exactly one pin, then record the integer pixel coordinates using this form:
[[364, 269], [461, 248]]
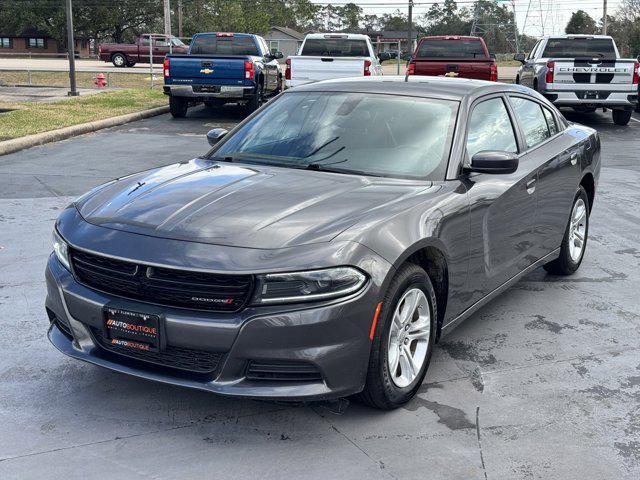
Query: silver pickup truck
[[582, 71]]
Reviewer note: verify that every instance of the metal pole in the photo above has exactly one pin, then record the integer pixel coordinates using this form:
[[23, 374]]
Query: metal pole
[[73, 92], [180, 18], [604, 17], [398, 57], [151, 58], [409, 35], [167, 18], [515, 25]]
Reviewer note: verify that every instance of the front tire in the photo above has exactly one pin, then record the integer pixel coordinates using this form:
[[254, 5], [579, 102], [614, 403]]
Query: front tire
[[403, 340], [574, 242], [621, 117], [119, 60], [178, 107]]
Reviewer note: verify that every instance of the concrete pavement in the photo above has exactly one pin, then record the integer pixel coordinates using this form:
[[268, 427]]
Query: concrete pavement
[[542, 383]]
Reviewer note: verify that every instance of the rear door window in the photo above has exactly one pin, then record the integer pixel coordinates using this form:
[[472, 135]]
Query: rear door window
[[442, 48], [490, 128], [579, 47], [214, 45], [334, 47], [551, 121], [532, 120]]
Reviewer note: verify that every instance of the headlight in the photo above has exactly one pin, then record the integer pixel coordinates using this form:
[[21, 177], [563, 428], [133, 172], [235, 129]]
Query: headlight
[[61, 249], [308, 286]]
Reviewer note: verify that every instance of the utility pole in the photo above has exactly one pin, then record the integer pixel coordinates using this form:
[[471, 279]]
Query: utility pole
[[409, 34], [179, 18], [167, 18], [73, 92], [604, 17], [515, 25]]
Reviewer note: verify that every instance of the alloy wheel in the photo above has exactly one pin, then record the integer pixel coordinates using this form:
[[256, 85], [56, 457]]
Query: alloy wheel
[[577, 230], [409, 337]]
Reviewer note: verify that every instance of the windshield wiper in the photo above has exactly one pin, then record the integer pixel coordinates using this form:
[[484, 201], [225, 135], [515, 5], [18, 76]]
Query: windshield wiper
[[226, 158], [322, 168], [322, 146]]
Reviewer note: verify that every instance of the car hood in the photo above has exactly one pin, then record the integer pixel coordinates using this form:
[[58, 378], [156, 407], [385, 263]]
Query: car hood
[[240, 205]]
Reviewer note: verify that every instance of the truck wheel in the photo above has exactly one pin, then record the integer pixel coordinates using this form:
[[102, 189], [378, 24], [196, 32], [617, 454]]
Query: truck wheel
[[178, 107], [621, 117], [119, 60], [256, 99]]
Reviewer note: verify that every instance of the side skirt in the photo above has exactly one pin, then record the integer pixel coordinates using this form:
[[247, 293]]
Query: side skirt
[[446, 329]]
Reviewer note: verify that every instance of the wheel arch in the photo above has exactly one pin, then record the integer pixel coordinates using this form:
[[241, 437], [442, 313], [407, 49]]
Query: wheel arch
[[589, 184], [431, 255]]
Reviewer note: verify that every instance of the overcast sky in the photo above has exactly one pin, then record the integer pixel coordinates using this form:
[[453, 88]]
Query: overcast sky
[[555, 14]]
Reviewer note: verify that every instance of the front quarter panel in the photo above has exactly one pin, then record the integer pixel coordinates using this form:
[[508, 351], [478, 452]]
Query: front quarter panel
[[440, 219]]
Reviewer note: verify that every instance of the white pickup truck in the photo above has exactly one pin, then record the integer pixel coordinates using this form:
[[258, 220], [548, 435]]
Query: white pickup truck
[[584, 72], [324, 56]]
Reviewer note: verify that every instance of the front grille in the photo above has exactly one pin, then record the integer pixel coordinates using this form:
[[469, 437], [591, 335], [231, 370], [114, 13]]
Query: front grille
[[198, 361], [162, 286], [283, 371]]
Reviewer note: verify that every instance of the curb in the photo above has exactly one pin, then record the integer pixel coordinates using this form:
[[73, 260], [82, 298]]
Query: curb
[[17, 144]]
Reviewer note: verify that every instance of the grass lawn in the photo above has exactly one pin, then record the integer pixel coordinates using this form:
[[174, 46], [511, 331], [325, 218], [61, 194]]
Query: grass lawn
[[83, 79], [30, 118]]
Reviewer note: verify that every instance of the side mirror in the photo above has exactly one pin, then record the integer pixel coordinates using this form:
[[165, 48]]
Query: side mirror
[[215, 135], [276, 55], [519, 57], [494, 162]]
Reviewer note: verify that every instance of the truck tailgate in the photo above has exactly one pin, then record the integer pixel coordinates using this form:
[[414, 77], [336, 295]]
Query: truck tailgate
[[208, 69], [477, 69], [592, 71], [306, 69]]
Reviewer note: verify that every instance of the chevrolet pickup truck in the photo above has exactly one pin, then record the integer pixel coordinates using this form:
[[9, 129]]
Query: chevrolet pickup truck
[[324, 56], [453, 56], [128, 54], [222, 68], [584, 72]]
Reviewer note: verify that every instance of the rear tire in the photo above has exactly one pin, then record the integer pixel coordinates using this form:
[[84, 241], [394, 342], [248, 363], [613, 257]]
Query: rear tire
[[621, 117], [256, 100], [578, 226], [119, 60], [178, 107], [387, 387]]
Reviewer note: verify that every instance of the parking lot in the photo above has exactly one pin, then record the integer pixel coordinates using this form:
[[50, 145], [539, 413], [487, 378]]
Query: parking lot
[[544, 382]]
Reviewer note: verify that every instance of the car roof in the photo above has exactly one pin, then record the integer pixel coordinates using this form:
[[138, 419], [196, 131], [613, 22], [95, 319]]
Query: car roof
[[419, 86]]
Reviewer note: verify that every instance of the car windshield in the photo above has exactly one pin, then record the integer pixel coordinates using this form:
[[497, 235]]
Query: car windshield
[[334, 47], [370, 134], [177, 42], [460, 48], [579, 47], [214, 45]]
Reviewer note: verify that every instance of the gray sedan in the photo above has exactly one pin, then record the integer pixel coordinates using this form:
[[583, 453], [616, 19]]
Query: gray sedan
[[322, 247]]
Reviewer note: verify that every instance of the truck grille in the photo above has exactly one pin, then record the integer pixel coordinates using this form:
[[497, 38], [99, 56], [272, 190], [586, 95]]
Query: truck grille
[[197, 361], [162, 286]]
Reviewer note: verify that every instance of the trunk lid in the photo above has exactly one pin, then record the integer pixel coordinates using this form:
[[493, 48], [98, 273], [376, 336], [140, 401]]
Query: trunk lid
[[305, 69]]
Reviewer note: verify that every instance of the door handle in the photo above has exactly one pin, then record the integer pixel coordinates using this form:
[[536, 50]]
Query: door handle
[[574, 158], [531, 186]]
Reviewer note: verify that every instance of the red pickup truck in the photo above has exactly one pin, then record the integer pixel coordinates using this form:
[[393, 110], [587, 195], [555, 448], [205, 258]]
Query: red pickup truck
[[453, 56], [128, 54]]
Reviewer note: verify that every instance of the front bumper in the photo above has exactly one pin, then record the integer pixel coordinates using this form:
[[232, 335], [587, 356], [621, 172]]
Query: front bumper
[[332, 337], [203, 92]]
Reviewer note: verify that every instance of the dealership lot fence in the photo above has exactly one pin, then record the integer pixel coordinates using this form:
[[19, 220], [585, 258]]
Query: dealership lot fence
[[85, 78]]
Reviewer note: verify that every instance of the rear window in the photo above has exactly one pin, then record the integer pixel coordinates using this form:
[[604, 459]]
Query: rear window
[[334, 47], [579, 47], [432, 48], [211, 45]]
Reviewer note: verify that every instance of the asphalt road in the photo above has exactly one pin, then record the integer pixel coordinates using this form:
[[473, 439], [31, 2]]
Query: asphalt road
[[544, 382]]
